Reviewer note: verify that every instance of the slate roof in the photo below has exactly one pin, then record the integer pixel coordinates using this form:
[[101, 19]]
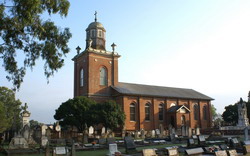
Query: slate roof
[[158, 91]]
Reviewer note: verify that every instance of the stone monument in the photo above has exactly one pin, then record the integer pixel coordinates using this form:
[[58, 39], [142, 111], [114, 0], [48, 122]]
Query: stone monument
[[25, 116], [242, 114]]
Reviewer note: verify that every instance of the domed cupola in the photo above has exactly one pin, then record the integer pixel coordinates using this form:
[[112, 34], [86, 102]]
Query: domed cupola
[[95, 35]]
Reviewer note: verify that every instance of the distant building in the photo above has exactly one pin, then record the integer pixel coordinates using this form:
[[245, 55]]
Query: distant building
[[146, 107]]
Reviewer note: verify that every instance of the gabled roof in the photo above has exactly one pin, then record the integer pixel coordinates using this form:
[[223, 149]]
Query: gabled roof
[[158, 91], [177, 108]]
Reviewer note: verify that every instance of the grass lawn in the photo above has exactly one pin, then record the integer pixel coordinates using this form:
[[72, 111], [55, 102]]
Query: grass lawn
[[103, 152]]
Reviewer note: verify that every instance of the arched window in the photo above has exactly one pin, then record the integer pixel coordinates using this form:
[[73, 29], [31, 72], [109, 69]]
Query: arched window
[[183, 120], [81, 77], [147, 112], [205, 112], [103, 76], [132, 112], [196, 112], [160, 111]]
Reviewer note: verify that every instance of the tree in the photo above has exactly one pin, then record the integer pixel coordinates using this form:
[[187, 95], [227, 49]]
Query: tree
[[230, 115], [33, 124], [110, 115], [23, 30], [214, 113], [10, 110], [75, 112]]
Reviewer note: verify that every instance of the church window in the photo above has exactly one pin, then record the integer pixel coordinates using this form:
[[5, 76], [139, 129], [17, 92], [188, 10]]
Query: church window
[[147, 112], [196, 112], [99, 33], [161, 112], [103, 76], [81, 77], [205, 112], [132, 112], [93, 33]]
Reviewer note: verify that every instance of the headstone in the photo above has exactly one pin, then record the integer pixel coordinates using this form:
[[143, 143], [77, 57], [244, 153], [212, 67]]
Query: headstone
[[148, 152], [194, 137], [103, 130], [190, 142], [113, 149], [18, 142], [221, 153], [232, 152], [223, 147], [183, 130], [137, 134], [234, 143], [153, 133], [246, 149], [157, 132], [201, 140], [242, 114], [60, 150], [194, 151], [189, 131], [102, 141], [197, 131], [173, 152], [129, 144], [246, 133], [142, 134], [44, 141], [91, 130]]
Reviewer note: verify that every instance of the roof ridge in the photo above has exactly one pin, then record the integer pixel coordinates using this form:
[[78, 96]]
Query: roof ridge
[[154, 85]]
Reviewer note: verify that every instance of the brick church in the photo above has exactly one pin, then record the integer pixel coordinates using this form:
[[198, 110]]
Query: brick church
[[146, 106]]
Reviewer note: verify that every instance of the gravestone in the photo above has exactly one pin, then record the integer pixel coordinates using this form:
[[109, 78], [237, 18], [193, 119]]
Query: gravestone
[[44, 141], [194, 151], [148, 152], [197, 132], [137, 134], [91, 131], [189, 131], [183, 130], [232, 152], [129, 144], [234, 143], [60, 150], [142, 134], [18, 142], [102, 141], [201, 140], [158, 133], [223, 147], [173, 152], [190, 142], [246, 149], [113, 149], [103, 131], [194, 137], [153, 133], [246, 133], [221, 153]]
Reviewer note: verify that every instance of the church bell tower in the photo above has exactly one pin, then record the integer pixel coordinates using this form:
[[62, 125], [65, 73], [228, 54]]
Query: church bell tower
[[95, 68]]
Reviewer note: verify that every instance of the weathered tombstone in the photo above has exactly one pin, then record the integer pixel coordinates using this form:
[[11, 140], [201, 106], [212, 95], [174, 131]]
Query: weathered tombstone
[[189, 131], [25, 131], [85, 137], [148, 152], [183, 131], [137, 134], [103, 131], [194, 151], [91, 130], [123, 133], [223, 147], [194, 137], [246, 149], [153, 133], [142, 134], [246, 133], [234, 143], [201, 140], [113, 149], [157, 132], [173, 152], [190, 142], [44, 141], [18, 142], [197, 131], [129, 144], [60, 150], [232, 152], [220, 153]]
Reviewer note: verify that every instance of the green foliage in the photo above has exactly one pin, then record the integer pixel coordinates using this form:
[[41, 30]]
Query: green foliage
[[110, 115], [23, 30], [230, 115], [10, 110], [34, 123], [213, 110], [75, 112]]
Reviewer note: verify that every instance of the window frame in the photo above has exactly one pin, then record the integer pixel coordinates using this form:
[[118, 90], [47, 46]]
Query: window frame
[[147, 112], [196, 112], [81, 77], [161, 112], [132, 114], [103, 76]]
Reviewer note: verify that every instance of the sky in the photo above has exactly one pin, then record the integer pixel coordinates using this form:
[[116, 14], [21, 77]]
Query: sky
[[201, 45]]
